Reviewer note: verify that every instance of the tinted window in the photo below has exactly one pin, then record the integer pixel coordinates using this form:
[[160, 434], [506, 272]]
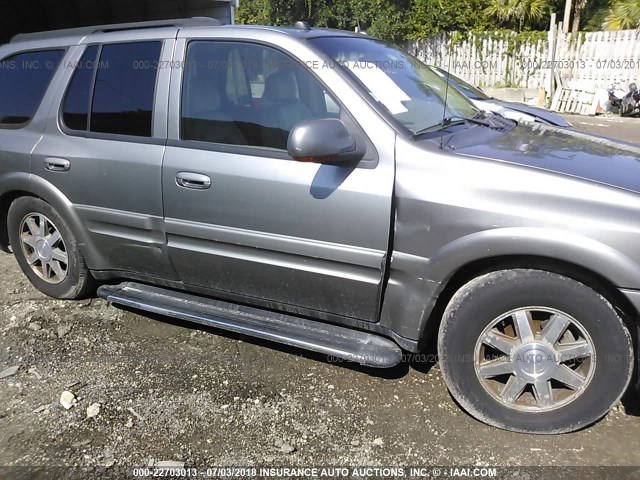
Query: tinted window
[[24, 79], [124, 88], [75, 112], [247, 94]]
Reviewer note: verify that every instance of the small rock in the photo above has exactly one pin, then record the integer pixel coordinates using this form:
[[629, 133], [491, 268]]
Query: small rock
[[169, 464], [286, 448], [67, 399], [86, 303], [134, 413], [34, 371], [9, 372], [278, 443], [93, 410], [41, 408], [35, 326], [81, 443], [269, 459], [378, 441], [355, 443], [63, 330]]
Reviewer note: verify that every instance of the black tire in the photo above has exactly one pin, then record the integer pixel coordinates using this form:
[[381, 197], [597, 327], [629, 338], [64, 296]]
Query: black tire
[[477, 304], [78, 282]]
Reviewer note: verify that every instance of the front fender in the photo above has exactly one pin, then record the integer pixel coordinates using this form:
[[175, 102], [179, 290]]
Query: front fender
[[416, 282]]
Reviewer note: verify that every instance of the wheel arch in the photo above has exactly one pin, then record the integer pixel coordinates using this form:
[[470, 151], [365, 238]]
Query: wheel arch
[[6, 199], [589, 277], [25, 185]]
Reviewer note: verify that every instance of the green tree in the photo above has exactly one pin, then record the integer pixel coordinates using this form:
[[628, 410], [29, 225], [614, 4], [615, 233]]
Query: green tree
[[253, 12], [278, 12], [518, 14], [399, 20], [429, 17], [381, 18], [624, 14]]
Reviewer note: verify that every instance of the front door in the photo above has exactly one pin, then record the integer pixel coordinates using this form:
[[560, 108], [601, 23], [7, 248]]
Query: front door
[[241, 216]]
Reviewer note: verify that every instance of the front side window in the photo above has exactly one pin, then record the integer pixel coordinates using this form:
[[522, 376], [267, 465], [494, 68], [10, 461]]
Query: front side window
[[247, 94], [24, 79], [411, 92]]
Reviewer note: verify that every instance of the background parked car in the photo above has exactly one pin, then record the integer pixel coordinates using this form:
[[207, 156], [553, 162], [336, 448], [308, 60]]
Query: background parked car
[[512, 110]]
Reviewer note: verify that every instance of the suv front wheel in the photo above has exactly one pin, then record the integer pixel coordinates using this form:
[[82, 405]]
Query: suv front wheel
[[46, 250], [533, 351]]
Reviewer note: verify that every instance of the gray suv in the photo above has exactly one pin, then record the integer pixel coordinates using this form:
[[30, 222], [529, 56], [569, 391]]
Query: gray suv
[[325, 190]]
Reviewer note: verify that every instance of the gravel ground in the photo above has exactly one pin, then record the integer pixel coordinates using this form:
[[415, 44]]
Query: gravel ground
[[168, 391]]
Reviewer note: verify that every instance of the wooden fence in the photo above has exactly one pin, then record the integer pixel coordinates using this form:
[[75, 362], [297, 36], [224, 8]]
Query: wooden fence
[[586, 60]]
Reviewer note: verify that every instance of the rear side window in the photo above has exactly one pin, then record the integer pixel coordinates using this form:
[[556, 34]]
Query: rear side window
[[123, 79], [124, 89], [75, 113], [24, 79]]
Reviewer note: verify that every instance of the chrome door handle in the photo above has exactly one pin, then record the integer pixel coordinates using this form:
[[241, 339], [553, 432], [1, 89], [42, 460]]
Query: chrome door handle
[[195, 181], [57, 164]]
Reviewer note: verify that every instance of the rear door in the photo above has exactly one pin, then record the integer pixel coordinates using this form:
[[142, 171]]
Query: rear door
[[104, 145], [242, 217]]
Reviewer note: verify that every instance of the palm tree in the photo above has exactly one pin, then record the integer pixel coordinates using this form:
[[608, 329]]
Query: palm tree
[[517, 12], [624, 14]]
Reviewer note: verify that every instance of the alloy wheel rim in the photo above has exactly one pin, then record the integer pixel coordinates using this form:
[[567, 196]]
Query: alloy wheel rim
[[535, 359], [44, 248]]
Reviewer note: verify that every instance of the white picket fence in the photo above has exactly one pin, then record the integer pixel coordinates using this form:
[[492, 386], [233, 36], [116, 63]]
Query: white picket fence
[[589, 60]]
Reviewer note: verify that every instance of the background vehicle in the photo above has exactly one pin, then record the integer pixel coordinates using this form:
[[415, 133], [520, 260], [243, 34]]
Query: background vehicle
[[615, 93], [313, 187], [630, 103], [513, 110]]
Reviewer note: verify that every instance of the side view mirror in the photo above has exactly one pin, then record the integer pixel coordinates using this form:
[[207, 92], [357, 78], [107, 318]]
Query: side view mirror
[[324, 140]]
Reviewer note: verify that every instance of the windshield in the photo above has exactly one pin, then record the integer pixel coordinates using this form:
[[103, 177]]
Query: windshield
[[464, 87], [407, 88]]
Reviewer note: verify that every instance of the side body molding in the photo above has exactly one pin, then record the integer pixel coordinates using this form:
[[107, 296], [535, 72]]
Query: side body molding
[[415, 282]]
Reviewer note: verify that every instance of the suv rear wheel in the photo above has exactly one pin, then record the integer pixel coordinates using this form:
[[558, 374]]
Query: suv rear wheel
[[46, 250], [533, 351]]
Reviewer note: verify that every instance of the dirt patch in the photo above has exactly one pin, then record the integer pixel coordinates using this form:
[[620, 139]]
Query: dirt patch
[[173, 391]]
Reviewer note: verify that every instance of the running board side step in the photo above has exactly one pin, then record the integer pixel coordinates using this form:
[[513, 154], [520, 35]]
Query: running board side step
[[353, 345]]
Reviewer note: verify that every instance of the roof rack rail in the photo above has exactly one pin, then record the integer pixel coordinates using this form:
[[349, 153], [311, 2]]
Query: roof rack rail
[[117, 27]]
